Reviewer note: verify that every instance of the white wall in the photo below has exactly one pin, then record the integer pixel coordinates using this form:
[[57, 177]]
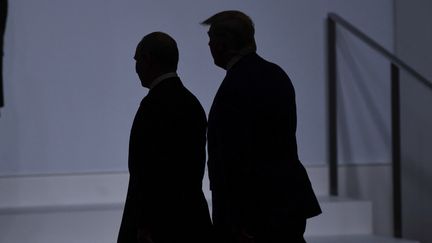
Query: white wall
[[87, 207], [71, 91], [372, 183], [413, 38]]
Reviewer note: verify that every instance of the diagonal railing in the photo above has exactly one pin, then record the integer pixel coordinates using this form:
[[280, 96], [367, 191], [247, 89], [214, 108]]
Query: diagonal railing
[[333, 20]]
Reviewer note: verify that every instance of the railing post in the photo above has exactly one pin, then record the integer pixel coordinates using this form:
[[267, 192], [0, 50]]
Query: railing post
[[332, 106], [396, 151]]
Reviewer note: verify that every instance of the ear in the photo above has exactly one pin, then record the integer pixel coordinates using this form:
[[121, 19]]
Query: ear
[[147, 59], [221, 47]]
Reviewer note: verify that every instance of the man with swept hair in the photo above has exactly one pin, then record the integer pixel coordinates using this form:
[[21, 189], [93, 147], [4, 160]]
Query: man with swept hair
[[165, 202], [260, 190]]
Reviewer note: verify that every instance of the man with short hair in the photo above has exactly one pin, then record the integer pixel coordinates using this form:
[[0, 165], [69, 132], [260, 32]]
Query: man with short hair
[[165, 202], [260, 190]]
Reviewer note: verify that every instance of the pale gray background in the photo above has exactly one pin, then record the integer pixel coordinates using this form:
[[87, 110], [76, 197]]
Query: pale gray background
[[71, 90]]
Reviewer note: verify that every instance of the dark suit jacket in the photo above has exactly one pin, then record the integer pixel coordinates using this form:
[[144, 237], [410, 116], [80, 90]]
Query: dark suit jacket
[[166, 166], [256, 177]]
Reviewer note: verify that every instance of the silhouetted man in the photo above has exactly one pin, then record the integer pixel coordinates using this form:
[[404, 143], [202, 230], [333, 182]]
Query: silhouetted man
[[165, 202], [260, 190]]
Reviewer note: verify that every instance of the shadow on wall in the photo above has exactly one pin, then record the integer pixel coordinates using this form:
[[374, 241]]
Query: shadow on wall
[[364, 104]]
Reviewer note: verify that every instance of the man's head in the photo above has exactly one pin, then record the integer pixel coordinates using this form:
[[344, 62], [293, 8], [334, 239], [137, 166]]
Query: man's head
[[155, 55], [231, 33]]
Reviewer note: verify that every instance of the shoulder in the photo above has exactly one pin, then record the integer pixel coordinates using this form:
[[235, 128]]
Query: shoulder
[[271, 68], [179, 98], [254, 66]]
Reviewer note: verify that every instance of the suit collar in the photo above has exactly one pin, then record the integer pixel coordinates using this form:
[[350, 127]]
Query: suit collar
[[163, 88], [238, 57], [162, 77], [244, 59], [164, 84]]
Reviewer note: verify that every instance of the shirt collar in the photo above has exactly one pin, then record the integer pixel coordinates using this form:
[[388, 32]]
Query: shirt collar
[[233, 61], [159, 79], [237, 57]]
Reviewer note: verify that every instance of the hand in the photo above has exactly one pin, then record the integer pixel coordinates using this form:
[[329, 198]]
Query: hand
[[143, 236]]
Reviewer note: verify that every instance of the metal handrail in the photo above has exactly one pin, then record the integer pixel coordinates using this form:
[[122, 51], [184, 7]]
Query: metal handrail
[[395, 66], [379, 48]]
